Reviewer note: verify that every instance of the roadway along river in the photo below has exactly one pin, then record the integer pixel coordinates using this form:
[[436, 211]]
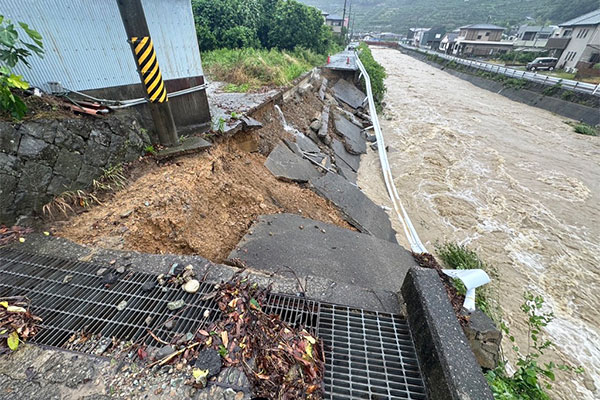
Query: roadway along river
[[513, 182]]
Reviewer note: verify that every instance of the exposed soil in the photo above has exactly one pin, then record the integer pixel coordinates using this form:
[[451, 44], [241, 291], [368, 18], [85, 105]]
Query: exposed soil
[[200, 204]]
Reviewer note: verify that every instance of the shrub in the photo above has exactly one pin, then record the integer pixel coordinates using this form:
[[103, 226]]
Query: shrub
[[14, 50], [376, 73], [586, 129]]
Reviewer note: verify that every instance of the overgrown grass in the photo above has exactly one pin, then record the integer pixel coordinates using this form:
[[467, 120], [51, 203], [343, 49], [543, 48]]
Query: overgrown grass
[[456, 256], [376, 73], [249, 69]]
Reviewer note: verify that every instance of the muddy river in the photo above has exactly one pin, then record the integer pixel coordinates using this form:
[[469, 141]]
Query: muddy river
[[513, 182]]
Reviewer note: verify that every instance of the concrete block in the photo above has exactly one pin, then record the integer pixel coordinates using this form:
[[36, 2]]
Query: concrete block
[[358, 209], [354, 141], [286, 165], [353, 161], [349, 94], [310, 247]]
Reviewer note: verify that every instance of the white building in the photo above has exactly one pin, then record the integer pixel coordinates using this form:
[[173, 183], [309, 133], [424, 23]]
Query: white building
[[584, 43]]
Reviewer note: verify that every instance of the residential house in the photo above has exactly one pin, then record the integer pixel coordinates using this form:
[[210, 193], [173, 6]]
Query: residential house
[[448, 41], [583, 47], [480, 40], [416, 35], [335, 22], [533, 37], [433, 37]]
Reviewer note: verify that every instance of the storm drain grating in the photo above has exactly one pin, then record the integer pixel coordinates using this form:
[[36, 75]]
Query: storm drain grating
[[369, 355]]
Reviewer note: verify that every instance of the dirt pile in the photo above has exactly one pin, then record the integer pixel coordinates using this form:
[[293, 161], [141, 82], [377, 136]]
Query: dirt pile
[[201, 204]]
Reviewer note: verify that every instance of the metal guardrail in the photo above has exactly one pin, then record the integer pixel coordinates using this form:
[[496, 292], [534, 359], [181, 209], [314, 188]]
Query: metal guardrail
[[577, 86]]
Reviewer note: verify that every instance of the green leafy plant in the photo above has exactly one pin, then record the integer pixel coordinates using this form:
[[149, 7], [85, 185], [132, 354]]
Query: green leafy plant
[[376, 73], [150, 150], [14, 50], [532, 378], [586, 129]]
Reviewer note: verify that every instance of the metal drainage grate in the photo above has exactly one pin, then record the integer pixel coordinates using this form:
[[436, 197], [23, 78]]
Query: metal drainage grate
[[369, 355]]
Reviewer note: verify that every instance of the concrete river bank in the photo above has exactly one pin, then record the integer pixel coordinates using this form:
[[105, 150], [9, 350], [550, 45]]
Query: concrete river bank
[[513, 182]]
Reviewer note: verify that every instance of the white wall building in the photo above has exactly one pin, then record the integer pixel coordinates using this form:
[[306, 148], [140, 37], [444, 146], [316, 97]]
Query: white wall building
[[584, 43]]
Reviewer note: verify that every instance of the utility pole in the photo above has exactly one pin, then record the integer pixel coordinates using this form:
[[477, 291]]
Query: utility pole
[[349, 18], [138, 34], [344, 21]]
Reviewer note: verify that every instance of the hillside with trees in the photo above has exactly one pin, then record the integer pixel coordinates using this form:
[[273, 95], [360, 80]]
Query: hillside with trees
[[399, 15]]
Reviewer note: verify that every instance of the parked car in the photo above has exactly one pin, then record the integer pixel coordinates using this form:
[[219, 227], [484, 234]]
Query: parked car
[[540, 63]]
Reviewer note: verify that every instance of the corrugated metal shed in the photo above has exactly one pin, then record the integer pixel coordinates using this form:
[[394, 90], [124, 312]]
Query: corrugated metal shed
[[86, 44]]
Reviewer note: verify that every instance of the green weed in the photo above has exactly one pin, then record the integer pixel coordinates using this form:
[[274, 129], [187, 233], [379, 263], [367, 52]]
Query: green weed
[[586, 129], [532, 378], [456, 256]]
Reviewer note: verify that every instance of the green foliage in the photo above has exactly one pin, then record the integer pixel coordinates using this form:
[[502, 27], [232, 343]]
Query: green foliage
[[249, 68], [532, 378], [238, 24], [586, 129], [376, 73], [295, 24], [150, 150], [596, 66], [456, 256], [14, 50], [552, 90]]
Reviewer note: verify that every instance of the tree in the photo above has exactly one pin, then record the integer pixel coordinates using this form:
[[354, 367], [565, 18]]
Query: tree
[[295, 24]]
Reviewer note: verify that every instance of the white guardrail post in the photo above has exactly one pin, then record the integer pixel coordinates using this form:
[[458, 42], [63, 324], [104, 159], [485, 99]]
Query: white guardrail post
[[577, 86]]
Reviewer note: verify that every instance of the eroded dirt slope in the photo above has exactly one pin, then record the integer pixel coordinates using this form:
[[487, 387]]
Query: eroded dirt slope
[[201, 204]]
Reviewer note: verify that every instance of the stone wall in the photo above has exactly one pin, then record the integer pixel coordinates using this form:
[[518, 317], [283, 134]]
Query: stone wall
[[43, 158]]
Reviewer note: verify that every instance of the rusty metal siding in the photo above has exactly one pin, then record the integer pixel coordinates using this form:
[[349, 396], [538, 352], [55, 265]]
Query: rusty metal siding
[[86, 45]]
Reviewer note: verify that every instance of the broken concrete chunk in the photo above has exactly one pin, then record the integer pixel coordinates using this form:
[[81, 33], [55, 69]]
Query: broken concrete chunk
[[316, 125], [340, 152], [349, 94], [359, 210], [306, 144], [324, 131], [347, 172], [323, 89], [351, 257], [353, 139], [250, 123], [286, 165]]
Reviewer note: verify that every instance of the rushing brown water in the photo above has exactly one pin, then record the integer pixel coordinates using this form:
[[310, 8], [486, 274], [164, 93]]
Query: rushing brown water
[[513, 182]]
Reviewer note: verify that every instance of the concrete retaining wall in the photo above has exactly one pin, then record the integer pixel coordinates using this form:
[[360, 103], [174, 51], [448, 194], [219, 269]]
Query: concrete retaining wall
[[447, 363], [532, 95], [44, 158]]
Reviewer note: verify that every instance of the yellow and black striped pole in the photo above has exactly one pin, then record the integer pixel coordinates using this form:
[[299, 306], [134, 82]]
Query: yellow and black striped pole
[[136, 28], [149, 69]]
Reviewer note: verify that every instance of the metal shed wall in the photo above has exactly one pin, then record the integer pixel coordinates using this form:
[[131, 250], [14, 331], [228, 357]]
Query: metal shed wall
[[86, 45]]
